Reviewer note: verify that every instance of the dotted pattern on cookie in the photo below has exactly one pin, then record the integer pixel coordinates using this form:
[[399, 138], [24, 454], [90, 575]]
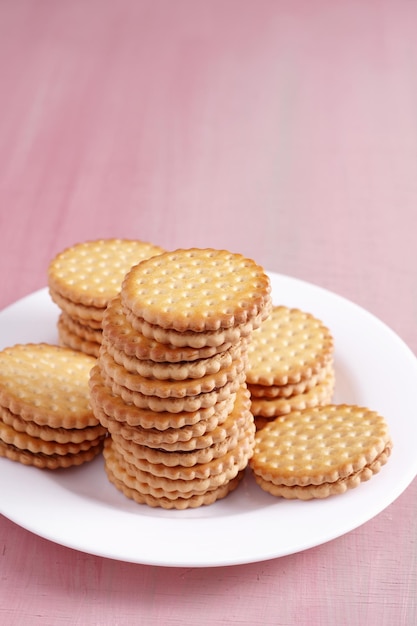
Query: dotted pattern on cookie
[[47, 384], [324, 490], [91, 272], [196, 289], [318, 445], [291, 345]]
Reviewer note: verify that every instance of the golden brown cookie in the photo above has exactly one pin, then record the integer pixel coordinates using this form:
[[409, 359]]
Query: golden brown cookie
[[91, 272], [196, 290], [47, 384], [290, 346], [319, 452]]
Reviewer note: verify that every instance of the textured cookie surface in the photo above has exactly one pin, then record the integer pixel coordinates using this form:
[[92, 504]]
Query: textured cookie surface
[[47, 384], [91, 272], [291, 345], [320, 445], [196, 289]]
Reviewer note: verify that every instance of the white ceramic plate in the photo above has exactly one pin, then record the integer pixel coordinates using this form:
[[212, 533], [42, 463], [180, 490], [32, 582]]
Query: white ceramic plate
[[79, 508]]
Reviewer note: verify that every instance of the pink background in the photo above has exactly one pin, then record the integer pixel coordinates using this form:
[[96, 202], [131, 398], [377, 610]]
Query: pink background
[[283, 130]]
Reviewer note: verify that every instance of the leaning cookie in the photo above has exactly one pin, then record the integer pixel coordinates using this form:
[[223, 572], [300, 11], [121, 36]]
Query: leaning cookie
[[321, 451]]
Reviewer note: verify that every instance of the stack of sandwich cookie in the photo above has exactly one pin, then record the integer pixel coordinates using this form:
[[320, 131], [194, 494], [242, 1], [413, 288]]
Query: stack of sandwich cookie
[[319, 452], [290, 364], [169, 384], [83, 279], [45, 414]]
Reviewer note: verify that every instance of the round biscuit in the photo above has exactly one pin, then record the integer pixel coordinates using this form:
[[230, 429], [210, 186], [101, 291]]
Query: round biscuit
[[324, 490], [187, 458], [196, 289], [319, 445], [290, 346], [91, 272], [47, 384]]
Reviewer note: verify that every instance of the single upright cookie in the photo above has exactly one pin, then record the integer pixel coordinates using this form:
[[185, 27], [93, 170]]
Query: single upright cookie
[[45, 415], [319, 452]]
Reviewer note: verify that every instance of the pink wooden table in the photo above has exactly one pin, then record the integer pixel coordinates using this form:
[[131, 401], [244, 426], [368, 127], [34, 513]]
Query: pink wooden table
[[283, 130]]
